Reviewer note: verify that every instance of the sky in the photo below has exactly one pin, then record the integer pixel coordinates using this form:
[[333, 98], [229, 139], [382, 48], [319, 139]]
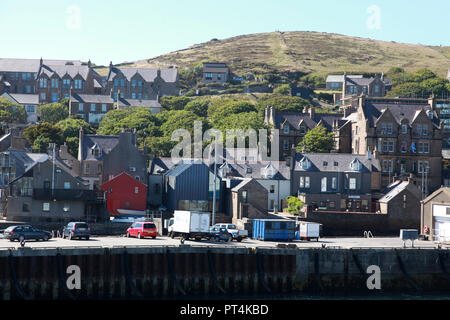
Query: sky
[[130, 30]]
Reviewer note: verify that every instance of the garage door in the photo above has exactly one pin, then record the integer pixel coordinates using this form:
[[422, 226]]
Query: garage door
[[441, 219]]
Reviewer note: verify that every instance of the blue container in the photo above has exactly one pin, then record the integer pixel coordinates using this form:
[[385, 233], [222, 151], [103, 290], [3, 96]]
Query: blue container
[[273, 230]]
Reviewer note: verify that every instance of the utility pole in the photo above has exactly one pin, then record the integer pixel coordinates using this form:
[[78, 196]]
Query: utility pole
[[215, 183], [53, 171]]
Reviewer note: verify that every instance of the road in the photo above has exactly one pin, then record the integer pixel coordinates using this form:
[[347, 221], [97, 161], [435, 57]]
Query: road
[[110, 242]]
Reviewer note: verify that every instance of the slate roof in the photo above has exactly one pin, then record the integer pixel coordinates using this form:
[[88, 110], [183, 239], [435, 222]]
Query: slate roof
[[98, 98], [257, 170], [160, 165], [23, 98], [359, 80], [373, 111], [105, 143], [396, 188], [149, 75], [318, 161], [215, 67], [340, 77], [30, 65], [241, 185], [294, 119], [183, 166], [63, 70]]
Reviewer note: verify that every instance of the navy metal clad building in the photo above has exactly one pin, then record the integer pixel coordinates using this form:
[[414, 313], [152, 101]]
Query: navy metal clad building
[[186, 181]]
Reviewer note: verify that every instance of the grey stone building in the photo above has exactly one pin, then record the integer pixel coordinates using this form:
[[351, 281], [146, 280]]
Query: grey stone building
[[293, 126], [104, 157], [141, 83], [336, 182], [157, 168], [404, 135], [48, 192], [401, 202], [215, 73], [355, 85]]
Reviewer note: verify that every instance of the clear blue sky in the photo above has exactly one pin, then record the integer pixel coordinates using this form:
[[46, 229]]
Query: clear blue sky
[[128, 30]]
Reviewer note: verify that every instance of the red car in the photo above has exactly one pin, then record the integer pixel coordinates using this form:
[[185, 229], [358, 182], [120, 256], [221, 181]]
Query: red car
[[142, 230]]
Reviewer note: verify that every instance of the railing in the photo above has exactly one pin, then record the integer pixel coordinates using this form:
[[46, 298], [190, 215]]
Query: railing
[[65, 194]]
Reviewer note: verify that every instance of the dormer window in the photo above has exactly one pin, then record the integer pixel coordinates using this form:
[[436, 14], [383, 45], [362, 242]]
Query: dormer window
[[386, 128], [249, 170], [355, 165], [305, 164], [430, 114], [404, 128], [302, 130], [269, 171], [286, 129]]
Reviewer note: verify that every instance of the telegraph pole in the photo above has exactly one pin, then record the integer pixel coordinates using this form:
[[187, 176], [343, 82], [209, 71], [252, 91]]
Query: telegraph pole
[[215, 183]]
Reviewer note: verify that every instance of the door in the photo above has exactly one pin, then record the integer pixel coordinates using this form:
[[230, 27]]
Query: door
[[28, 232], [442, 230]]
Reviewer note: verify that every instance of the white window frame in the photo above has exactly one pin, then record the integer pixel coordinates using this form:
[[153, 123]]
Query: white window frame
[[352, 184]]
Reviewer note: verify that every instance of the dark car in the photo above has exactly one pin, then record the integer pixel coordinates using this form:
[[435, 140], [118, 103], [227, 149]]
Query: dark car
[[76, 230], [219, 234], [26, 232]]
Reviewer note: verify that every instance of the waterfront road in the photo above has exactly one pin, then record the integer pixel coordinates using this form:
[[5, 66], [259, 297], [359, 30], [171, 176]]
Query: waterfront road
[[334, 243]]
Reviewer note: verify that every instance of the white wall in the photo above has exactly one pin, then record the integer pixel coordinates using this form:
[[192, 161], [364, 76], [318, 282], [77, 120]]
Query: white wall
[[282, 191]]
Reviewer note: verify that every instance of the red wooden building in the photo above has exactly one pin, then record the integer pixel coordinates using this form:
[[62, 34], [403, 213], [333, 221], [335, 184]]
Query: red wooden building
[[125, 196]]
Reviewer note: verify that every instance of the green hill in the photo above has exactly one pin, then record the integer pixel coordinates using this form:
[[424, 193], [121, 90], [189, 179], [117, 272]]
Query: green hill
[[309, 52]]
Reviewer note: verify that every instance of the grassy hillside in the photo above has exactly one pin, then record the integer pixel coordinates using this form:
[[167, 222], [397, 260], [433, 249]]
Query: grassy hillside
[[309, 52]]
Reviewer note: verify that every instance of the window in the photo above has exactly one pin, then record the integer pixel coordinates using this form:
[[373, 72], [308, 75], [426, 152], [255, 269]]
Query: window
[[208, 76], [28, 89], [386, 128], [404, 147], [324, 184], [42, 83], [423, 167], [352, 183], [334, 183], [54, 83], [43, 96], [388, 166], [122, 95], [302, 130], [29, 109], [377, 89], [78, 84], [54, 97], [122, 82], [307, 183], [136, 190], [423, 147], [46, 206], [332, 204], [249, 170], [66, 207], [80, 107], [93, 107], [325, 164], [404, 128], [388, 146], [302, 182], [140, 96], [272, 189], [133, 83], [244, 196], [104, 108], [133, 95], [422, 129], [285, 145], [66, 185], [26, 207], [286, 129], [139, 83], [66, 83], [116, 83]]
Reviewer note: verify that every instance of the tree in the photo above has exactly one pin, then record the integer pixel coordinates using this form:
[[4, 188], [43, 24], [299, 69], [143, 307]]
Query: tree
[[41, 144], [317, 140], [282, 103], [70, 127], [198, 107], [12, 112], [53, 112], [283, 90], [46, 132], [222, 109], [174, 103], [294, 205]]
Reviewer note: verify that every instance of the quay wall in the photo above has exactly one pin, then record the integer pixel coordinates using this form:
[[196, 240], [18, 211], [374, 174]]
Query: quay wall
[[189, 271]]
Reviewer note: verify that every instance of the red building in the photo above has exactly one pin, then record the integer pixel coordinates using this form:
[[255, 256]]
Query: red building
[[125, 195]]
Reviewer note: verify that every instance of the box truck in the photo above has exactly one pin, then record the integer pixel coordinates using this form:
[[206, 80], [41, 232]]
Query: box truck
[[189, 225], [309, 230]]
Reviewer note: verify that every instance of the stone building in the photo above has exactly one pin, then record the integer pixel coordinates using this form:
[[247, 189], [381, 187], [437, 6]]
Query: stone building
[[435, 216], [216, 73], [141, 83], [293, 126], [405, 136]]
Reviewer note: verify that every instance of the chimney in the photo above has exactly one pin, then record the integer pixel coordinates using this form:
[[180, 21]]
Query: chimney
[[89, 63], [344, 85], [159, 73], [311, 112], [382, 76], [41, 62], [362, 101], [110, 65], [432, 101]]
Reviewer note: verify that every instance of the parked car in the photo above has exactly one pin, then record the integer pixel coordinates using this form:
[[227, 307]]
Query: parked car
[[237, 234], [219, 234], [76, 230], [142, 230], [26, 232], [128, 219]]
